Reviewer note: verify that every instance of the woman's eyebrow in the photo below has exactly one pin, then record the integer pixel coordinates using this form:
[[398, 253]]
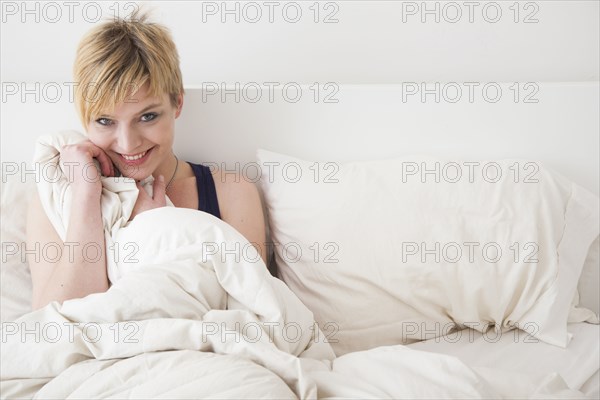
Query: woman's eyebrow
[[149, 107]]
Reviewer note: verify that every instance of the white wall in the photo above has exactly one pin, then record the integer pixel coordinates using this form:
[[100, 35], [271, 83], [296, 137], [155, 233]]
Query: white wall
[[370, 43]]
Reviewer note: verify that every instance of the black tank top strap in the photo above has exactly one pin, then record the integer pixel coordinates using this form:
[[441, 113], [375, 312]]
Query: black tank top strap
[[207, 193]]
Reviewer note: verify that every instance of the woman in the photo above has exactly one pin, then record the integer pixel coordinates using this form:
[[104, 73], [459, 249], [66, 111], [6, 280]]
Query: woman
[[128, 96]]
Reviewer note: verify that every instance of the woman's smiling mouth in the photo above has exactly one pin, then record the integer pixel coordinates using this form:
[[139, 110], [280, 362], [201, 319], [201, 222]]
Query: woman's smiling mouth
[[136, 159]]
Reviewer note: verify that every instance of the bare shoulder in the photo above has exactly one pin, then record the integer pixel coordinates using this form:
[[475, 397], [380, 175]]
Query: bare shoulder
[[232, 188], [240, 206]]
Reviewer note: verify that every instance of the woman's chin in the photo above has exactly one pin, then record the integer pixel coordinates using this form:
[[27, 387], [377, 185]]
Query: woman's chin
[[134, 173], [137, 177]]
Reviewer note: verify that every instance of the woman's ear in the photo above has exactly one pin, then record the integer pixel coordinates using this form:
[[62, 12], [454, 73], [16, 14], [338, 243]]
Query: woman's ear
[[179, 105]]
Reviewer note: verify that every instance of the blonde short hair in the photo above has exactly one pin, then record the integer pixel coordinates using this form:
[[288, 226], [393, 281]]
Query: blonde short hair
[[116, 58]]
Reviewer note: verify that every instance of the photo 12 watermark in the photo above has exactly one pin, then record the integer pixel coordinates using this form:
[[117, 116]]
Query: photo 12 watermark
[[55, 12], [253, 12], [56, 92], [452, 332], [325, 172], [525, 172], [469, 92], [67, 171], [453, 12], [452, 252], [54, 332], [269, 92], [253, 332], [70, 252], [290, 252]]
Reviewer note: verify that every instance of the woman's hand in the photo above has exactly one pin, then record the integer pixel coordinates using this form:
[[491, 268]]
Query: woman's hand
[[77, 161], [145, 202]]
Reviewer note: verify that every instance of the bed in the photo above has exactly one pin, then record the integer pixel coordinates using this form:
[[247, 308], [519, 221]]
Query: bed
[[349, 319]]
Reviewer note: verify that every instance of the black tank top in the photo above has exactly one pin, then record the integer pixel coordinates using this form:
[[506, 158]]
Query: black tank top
[[207, 194]]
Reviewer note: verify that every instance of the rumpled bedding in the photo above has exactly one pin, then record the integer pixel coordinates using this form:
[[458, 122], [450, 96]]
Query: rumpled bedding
[[193, 312]]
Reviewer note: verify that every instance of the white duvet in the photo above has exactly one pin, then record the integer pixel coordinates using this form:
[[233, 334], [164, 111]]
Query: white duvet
[[187, 318]]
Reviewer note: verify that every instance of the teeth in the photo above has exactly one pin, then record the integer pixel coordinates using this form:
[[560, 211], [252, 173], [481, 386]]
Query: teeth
[[133, 158]]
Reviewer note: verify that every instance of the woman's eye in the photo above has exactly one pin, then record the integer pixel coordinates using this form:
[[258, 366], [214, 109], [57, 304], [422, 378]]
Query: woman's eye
[[149, 117], [104, 121]]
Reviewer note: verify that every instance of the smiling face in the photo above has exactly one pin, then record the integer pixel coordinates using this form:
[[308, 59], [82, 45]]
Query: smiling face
[[138, 134]]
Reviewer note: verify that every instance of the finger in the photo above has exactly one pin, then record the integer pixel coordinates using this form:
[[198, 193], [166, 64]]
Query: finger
[[159, 194], [115, 170], [105, 162], [142, 191]]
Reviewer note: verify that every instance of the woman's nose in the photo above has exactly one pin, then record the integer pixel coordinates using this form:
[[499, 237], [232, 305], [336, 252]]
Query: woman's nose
[[128, 139]]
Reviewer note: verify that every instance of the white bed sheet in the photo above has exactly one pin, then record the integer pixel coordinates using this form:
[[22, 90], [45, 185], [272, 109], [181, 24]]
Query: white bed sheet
[[578, 364]]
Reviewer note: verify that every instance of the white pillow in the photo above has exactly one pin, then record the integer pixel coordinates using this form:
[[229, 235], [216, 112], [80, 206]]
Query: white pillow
[[15, 278], [350, 241]]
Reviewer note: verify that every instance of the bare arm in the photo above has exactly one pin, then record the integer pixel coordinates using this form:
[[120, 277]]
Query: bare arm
[[75, 270], [240, 205]]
